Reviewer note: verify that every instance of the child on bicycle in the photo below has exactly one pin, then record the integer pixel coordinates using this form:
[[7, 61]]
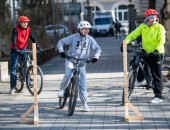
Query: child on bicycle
[[80, 45], [19, 39], [153, 40]]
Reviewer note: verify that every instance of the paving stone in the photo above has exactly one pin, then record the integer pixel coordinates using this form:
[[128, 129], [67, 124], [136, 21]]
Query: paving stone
[[105, 87]]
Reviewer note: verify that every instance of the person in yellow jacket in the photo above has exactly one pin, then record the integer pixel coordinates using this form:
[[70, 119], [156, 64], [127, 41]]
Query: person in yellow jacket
[[153, 40]]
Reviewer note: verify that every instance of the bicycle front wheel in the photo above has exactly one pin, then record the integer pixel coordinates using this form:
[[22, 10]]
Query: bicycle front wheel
[[30, 77], [73, 94], [19, 79], [132, 76], [166, 80]]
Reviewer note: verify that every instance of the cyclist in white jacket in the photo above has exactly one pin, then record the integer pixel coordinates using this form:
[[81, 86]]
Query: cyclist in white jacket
[[80, 45]]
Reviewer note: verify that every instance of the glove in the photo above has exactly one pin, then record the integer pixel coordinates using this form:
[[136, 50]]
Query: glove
[[63, 55], [155, 52], [15, 48], [121, 47], [94, 60]]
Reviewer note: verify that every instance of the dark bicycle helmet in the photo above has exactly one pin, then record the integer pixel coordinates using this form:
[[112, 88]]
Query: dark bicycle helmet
[[150, 12]]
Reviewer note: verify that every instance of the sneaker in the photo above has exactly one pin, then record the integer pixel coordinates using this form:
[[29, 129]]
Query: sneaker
[[156, 100], [142, 83], [60, 93], [31, 84], [12, 91], [137, 84], [86, 108]]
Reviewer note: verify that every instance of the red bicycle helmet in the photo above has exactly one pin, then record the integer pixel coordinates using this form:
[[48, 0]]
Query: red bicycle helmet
[[23, 19], [150, 12]]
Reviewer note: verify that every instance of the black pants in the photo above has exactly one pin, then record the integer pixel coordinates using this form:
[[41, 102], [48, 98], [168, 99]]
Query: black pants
[[155, 64], [117, 32]]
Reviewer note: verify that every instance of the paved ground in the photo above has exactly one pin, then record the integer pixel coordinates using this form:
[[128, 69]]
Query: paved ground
[[105, 85]]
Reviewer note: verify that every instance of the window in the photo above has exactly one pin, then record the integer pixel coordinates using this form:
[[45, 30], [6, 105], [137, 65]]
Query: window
[[102, 21], [125, 15], [121, 13], [120, 16]]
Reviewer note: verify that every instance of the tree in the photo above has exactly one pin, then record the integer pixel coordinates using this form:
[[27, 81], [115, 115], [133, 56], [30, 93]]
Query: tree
[[152, 4], [5, 19], [5, 28], [41, 17]]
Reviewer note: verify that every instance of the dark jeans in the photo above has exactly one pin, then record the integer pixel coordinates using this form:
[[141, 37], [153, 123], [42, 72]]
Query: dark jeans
[[155, 64], [14, 59], [117, 32]]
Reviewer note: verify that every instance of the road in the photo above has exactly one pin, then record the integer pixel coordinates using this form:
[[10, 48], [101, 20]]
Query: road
[[105, 85]]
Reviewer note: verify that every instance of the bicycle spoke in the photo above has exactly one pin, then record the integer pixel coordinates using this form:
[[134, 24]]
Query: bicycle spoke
[[19, 79], [30, 80]]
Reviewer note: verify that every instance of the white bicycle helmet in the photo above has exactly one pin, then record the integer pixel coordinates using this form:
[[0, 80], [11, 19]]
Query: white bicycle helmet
[[84, 24]]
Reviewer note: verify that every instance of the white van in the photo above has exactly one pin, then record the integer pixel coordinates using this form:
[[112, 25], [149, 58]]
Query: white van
[[103, 24]]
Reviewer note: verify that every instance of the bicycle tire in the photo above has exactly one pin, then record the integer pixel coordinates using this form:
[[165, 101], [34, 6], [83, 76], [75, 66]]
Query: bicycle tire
[[19, 79], [132, 76], [29, 80], [73, 95], [166, 80], [62, 100]]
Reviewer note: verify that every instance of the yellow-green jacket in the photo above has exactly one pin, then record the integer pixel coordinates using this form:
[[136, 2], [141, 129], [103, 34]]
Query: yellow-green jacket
[[153, 38]]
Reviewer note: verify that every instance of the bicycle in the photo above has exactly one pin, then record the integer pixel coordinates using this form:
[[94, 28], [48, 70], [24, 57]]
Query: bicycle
[[72, 89], [166, 71], [137, 62], [24, 71]]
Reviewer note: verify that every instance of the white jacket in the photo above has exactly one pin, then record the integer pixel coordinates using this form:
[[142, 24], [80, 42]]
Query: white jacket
[[79, 46]]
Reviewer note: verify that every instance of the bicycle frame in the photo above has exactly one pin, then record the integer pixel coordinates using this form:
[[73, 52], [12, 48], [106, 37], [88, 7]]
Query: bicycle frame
[[76, 64], [137, 62], [24, 64], [25, 73]]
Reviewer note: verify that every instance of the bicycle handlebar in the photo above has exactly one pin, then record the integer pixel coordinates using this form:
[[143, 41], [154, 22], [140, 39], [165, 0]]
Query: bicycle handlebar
[[78, 59], [137, 50], [22, 51], [29, 51]]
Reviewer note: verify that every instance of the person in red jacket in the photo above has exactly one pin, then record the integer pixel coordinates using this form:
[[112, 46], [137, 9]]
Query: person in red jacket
[[20, 35]]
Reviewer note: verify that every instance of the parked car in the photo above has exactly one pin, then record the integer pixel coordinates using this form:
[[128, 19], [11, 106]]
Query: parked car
[[60, 29]]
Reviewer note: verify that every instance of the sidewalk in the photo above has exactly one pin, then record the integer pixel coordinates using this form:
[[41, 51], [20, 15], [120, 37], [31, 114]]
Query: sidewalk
[[105, 85]]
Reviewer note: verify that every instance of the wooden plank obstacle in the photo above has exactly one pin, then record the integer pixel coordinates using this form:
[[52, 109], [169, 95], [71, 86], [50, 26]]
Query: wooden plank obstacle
[[128, 105], [35, 104]]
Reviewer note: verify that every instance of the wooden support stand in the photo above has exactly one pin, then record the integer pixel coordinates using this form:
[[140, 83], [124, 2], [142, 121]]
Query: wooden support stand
[[128, 105], [35, 105]]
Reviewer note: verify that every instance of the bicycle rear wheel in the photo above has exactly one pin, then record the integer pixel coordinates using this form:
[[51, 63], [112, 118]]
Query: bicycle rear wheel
[[166, 80], [73, 94], [132, 76], [29, 80], [19, 79]]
